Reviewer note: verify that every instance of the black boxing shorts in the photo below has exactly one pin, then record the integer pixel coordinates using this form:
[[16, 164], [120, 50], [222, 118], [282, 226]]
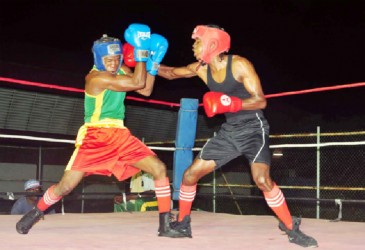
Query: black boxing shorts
[[248, 137]]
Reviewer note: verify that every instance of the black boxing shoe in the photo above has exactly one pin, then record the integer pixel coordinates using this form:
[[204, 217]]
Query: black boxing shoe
[[183, 226], [296, 236], [165, 228], [28, 220]]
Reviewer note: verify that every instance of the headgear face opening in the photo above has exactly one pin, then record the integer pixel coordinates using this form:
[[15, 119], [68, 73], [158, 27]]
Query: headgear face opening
[[106, 46], [214, 40]]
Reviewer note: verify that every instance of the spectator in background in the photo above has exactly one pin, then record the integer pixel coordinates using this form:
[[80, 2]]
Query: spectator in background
[[26, 203]]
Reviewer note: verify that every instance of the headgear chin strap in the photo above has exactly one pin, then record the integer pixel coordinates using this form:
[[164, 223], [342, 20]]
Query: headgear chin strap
[[214, 40], [106, 46]]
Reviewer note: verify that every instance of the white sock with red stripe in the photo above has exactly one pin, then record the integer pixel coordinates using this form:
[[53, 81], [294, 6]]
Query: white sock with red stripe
[[186, 198], [276, 201]]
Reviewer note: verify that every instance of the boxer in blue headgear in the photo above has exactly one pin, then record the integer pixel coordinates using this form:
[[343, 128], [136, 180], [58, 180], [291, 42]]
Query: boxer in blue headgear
[[106, 46], [104, 145]]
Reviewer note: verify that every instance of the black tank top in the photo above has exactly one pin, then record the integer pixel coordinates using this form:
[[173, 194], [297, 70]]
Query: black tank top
[[231, 87]]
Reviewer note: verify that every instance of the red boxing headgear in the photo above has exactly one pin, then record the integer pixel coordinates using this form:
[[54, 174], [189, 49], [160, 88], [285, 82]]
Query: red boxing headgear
[[209, 36]]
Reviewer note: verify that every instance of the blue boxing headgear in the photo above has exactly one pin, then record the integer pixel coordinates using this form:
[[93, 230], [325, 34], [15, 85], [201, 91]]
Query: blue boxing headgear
[[106, 46]]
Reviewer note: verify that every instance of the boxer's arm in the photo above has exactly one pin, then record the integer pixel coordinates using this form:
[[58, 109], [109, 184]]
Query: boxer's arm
[[98, 81], [172, 73], [244, 72], [128, 52], [147, 90], [159, 46]]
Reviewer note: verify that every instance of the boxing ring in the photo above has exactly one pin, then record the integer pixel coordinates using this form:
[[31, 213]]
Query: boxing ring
[[214, 230], [134, 231]]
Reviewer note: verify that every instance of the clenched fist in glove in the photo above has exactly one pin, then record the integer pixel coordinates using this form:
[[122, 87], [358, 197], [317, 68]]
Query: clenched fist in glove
[[139, 35], [128, 55], [219, 103], [158, 49]]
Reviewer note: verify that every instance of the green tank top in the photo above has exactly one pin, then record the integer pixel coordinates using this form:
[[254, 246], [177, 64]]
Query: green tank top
[[106, 105]]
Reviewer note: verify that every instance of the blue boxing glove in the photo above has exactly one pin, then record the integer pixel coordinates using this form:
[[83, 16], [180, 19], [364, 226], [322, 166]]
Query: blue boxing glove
[[139, 35], [158, 50]]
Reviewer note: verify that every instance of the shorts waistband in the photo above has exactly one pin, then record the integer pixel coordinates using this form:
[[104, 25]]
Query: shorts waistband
[[106, 123]]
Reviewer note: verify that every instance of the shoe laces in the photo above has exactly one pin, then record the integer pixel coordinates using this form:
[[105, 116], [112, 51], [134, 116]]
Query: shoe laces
[[172, 218], [296, 223]]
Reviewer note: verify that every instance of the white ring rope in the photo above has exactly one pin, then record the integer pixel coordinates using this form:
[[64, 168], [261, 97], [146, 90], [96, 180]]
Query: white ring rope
[[33, 138], [309, 145], [325, 144]]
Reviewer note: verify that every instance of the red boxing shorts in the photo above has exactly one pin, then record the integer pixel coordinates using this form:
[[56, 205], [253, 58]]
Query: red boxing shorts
[[107, 151]]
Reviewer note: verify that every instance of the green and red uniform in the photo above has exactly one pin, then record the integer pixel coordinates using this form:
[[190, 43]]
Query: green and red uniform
[[104, 145]]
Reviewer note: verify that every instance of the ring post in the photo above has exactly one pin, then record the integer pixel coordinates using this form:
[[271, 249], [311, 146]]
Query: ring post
[[184, 142]]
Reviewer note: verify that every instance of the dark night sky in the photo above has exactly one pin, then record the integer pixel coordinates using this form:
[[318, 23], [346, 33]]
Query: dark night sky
[[293, 44]]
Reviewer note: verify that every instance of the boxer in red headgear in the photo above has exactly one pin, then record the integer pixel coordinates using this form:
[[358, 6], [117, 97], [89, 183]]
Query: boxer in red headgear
[[214, 42], [236, 92]]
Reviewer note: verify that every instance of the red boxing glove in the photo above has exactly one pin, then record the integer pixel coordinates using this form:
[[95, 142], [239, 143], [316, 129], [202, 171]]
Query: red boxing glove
[[128, 55], [219, 103]]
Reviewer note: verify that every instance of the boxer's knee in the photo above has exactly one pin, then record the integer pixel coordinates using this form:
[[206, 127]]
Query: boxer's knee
[[261, 177], [197, 170]]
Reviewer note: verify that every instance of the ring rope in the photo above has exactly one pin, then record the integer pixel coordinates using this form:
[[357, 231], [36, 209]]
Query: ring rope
[[53, 86], [288, 187], [324, 144]]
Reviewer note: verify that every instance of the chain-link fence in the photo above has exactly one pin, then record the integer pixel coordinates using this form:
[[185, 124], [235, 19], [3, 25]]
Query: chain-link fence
[[320, 174]]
